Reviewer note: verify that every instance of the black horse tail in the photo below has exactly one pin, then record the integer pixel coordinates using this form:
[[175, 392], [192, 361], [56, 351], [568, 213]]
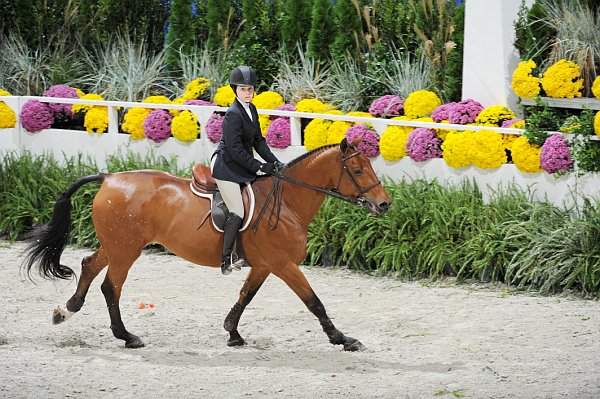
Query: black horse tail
[[48, 242]]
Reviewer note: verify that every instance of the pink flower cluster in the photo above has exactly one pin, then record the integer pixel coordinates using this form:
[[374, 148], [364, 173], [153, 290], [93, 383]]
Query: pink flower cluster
[[284, 107], [555, 155], [464, 112], [508, 123], [279, 133], [157, 125], [442, 113], [214, 127], [369, 144], [385, 106], [198, 102], [36, 116], [61, 111], [423, 144]]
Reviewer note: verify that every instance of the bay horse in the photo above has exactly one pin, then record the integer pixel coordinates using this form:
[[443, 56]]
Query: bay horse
[[136, 208]]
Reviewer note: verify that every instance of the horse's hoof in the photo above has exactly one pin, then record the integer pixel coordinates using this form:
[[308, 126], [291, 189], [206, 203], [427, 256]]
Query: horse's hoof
[[235, 339], [353, 345], [134, 343], [58, 316]]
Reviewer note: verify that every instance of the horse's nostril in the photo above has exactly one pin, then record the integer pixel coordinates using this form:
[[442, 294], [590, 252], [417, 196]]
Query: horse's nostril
[[384, 206]]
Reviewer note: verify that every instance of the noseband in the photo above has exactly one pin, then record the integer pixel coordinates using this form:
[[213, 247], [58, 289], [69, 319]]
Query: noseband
[[277, 190]]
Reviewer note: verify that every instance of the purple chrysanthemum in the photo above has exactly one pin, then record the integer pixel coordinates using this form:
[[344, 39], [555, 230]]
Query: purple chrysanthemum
[[61, 111], [369, 144], [284, 107], [442, 113], [464, 112], [278, 134], [157, 125], [214, 127], [385, 106], [423, 144], [508, 123], [36, 116], [198, 102], [555, 155]]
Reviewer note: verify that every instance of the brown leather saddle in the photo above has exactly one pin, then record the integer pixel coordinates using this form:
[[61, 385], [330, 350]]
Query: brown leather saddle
[[203, 185]]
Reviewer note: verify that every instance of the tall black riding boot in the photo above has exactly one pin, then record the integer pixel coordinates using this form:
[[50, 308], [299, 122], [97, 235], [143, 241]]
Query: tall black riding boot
[[230, 230]]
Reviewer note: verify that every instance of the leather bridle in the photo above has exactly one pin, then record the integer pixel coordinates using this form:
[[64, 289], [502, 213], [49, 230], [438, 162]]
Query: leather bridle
[[276, 192]]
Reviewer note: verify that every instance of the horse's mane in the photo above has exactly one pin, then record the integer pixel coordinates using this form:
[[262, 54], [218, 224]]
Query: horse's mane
[[310, 153]]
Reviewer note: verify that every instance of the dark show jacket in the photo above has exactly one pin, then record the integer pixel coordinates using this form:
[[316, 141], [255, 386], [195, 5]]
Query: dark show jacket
[[235, 160]]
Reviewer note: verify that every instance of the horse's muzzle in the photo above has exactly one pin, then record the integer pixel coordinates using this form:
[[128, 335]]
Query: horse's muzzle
[[378, 208]]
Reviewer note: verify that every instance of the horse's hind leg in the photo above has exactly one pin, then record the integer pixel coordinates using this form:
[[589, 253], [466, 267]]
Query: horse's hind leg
[[90, 267], [295, 279], [253, 282], [116, 275]]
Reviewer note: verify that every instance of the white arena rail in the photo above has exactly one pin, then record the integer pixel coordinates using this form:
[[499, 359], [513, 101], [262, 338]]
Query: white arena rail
[[562, 191]]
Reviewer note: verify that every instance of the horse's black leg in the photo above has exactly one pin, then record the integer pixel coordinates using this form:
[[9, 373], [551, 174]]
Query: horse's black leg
[[295, 279], [90, 267], [253, 282], [111, 288]]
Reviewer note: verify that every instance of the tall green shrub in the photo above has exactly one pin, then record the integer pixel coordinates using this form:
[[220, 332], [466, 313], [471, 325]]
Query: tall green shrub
[[297, 15], [349, 34], [321, 30], [179, 38], [217, 19]]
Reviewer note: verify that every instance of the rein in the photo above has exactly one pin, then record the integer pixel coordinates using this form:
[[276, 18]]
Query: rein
[[276, 192]]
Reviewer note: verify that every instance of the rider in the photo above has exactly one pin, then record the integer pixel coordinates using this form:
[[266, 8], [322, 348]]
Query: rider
[[233, 161]]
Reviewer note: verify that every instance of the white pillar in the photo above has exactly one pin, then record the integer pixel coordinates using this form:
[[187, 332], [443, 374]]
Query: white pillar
[[490, 57]]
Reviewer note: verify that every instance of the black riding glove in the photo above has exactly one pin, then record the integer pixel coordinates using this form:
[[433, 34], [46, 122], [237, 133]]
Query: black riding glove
[[267, 168], [279, 166]]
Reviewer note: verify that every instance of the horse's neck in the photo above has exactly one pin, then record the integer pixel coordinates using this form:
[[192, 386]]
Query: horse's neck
[[318, 171]]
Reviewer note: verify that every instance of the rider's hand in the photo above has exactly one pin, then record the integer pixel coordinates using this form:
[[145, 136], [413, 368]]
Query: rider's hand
[[267, 168], [279, 165]]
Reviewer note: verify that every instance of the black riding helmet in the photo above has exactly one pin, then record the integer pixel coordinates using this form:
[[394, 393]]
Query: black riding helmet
[[242, 76]]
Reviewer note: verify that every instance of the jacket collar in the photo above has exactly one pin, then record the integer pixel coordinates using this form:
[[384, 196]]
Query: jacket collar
[[245, 114]]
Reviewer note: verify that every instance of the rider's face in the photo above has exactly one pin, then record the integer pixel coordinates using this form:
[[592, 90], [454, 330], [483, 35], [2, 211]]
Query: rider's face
[[245, 93]]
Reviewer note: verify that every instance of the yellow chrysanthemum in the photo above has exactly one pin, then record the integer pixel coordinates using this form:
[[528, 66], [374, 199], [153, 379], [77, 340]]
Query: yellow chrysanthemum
[[268, 100], [508, 140], [4, 93], [392, 143], [596, 87], [562, 80], [224, 96], [161, 100], [312, 105], [134, 120], [484, 149], [494, 116], [337, 131], [524, 84], [96, 119], [185, 126], [264, 121], [525, 156], [456, 148], [79, 91], [195, 89], [83, 108], [421, 103], [597, 124], [8, 118], [315, 133]]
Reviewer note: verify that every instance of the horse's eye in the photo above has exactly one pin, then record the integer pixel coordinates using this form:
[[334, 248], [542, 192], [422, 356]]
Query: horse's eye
[[357, 172]]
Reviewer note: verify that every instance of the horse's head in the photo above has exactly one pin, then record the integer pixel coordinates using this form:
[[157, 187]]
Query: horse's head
[[358, 179]]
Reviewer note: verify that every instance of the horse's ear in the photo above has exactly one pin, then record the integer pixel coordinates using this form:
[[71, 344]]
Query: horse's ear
[[357, 140], [344, 145]]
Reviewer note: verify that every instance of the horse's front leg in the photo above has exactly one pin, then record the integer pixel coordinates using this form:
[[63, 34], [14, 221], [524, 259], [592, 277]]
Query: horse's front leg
[[253, 282], [295, 279]]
